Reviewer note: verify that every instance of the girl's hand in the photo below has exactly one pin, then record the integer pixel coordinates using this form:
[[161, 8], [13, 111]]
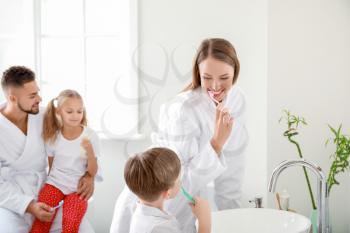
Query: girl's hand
[[86, 144], [223, 128], [91, 158]]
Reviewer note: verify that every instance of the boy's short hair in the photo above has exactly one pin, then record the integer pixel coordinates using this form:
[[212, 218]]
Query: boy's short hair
[[152, 172], [16, 76]]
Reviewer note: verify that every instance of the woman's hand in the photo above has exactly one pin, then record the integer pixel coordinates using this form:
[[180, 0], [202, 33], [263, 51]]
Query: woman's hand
[[223, 128]]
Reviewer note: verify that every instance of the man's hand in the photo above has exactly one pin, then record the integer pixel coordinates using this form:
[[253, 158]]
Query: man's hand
[[86, 186], [41, 211]]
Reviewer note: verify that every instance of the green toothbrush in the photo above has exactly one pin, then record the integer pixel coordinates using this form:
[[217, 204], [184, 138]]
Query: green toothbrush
[[187, 195]]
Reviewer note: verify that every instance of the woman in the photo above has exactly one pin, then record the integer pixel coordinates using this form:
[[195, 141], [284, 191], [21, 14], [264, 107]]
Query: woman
[[204, 125]]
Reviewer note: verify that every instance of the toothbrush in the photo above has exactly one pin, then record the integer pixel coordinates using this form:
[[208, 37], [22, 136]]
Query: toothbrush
[[58, 206], [187, 195], [211, 95]]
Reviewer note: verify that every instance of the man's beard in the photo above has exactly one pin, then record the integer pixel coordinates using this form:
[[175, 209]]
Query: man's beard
[[30, 111]]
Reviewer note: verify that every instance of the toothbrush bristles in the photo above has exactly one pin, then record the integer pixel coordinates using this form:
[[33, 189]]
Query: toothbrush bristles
[[212, 97]]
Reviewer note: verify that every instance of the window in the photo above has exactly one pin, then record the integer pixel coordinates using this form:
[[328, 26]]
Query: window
[[84, 45]]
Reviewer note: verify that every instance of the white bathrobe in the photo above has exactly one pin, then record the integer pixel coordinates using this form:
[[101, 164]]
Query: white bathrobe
[[186, 125], [147, 219], [23, 164]]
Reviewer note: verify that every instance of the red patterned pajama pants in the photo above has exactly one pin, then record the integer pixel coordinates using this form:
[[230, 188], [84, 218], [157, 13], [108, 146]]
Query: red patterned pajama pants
[[73, 210]]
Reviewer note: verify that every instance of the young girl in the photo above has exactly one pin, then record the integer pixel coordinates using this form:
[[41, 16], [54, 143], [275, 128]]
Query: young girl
[[72, 149]]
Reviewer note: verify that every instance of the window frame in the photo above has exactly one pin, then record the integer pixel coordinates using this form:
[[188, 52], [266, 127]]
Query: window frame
[[38, 36]]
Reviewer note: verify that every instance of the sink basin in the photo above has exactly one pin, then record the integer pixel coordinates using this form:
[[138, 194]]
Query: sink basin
[[252, 220]]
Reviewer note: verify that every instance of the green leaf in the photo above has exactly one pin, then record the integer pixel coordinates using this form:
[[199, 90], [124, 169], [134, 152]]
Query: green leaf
[[340, 156]]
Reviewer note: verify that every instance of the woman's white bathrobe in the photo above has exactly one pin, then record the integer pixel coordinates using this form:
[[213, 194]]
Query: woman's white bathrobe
[[186, 125], [23, 164]]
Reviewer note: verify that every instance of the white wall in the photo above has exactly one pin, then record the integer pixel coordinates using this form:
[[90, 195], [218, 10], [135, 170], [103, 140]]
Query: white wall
[[309, 73], [294, 54], [178, 27]]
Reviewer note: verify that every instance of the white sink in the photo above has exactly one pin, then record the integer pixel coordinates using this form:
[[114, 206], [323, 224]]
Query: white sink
[[252, 220]]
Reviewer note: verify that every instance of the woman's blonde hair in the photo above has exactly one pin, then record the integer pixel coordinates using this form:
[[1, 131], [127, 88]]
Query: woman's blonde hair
[[52, 124], [219, 49]]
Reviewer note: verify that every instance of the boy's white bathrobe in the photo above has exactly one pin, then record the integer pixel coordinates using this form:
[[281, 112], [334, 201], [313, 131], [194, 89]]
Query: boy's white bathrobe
[[23, 165], [186, 125], [148, 219]]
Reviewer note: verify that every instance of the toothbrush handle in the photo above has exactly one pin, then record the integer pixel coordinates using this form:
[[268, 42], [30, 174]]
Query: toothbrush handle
[[187, 195]]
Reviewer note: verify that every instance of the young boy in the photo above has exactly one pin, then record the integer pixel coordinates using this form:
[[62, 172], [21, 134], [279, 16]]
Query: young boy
[[154, 177]]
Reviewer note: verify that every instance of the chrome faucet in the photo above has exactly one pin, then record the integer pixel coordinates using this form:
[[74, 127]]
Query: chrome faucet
[[322, 192]]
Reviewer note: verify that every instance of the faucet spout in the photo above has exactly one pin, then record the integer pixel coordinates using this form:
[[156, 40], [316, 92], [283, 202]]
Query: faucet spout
[[322, 191]]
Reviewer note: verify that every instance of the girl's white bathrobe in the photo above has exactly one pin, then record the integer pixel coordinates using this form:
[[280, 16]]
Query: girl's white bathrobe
[[23, 164], [186, 125]]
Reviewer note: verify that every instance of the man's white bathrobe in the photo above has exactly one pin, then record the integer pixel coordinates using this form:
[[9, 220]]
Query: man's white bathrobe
[[186, 125], [23, 164]]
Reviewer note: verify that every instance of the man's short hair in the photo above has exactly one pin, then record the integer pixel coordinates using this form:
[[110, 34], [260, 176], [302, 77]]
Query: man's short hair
[[152, 172], [16, 76]]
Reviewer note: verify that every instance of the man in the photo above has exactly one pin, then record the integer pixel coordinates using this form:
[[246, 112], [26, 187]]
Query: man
[[23, 158]]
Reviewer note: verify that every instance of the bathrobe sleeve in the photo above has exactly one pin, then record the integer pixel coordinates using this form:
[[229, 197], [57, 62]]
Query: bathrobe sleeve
[[22, 164], [123, 211], [49, 150], [168, 228], [178, 130], [11, 195]]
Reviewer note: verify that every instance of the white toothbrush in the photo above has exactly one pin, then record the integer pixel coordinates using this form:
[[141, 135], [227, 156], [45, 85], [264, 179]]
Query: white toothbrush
[[58, 206], [211, 95]]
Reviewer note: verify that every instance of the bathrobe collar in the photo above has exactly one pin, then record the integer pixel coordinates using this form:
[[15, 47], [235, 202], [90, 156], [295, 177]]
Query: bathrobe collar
[[151, 211]]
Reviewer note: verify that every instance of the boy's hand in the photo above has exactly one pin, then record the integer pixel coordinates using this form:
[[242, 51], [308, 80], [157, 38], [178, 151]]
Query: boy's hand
[[86, 186], [201, 209], [41, 211]]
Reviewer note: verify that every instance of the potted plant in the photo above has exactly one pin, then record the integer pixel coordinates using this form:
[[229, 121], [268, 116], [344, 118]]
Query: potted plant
[[340, 156], [293, 122]]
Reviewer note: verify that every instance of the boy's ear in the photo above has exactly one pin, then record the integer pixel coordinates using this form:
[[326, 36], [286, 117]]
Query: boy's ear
[[166, 194]]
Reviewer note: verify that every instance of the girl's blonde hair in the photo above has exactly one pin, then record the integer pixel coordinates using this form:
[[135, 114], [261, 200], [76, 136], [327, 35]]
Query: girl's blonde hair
[[52, 124]]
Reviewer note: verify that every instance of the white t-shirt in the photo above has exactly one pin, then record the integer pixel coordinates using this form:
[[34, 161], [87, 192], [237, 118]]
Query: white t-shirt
[[147, 219], [70, 161]]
